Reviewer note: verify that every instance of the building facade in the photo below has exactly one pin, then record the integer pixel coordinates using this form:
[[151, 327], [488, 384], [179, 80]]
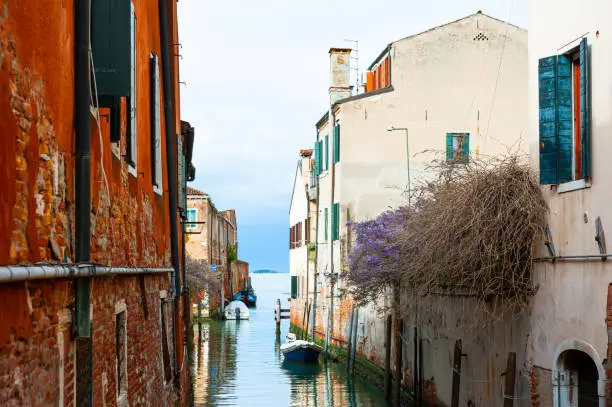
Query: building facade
[[569, 110], [213, 236], [90, 267], [441, 94]]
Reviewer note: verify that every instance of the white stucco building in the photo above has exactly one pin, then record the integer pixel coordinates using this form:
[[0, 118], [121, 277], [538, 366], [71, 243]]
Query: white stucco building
[[570, 110], [457, 91]]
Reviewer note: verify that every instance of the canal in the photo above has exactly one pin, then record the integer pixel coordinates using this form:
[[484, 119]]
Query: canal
[[239, 363]]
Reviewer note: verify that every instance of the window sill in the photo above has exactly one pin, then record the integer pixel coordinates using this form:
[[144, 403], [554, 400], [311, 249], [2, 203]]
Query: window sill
[[573, 186], [158, 190]]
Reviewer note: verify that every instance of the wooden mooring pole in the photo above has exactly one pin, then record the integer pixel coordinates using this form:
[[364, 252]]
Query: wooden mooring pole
[[350, 338], [389, 327], [456, 374], [398, 363], [510, 378]]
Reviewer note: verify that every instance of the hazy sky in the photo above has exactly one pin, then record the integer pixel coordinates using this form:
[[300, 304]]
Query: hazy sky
[[256, 76]]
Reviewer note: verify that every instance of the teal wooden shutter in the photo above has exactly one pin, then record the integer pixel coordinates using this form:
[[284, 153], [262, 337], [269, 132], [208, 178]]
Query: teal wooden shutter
[[565, 133], [326, 224], [335, 221], [547, 74], [317, 159], [585, 117], [111, 22], [465, 151], [449, 146], [327, 152], [337, 144], [294, 287]]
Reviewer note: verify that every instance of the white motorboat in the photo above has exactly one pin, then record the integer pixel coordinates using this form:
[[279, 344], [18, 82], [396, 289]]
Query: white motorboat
[[299, 350], [236, 310]]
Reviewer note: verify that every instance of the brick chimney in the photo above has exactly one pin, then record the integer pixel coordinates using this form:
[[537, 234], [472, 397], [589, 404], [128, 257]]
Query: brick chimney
[[340, 68]]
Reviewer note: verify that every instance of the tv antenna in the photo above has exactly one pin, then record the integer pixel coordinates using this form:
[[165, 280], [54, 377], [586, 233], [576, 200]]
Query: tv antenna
[[356, 59]]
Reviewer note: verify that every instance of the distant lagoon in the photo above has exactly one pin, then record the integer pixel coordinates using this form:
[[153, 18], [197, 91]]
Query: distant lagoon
[[266, 271]]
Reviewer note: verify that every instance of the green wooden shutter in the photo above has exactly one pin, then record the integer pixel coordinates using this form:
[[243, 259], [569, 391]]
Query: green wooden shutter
[[294, 287], [317, 159], [337, 144], [111, 46], [327, 152], [326, 223], [547, 74], [585, 117], [449, 146], [335, 221], [465, 152], [565, 133]]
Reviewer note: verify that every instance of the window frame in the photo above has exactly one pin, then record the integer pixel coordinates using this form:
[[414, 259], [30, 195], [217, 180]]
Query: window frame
[[131, 155], [453, 136], [191, 226], [553, 113], [121, 372], [155, 104]]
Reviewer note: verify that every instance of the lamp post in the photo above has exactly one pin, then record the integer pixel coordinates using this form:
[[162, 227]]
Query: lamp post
[[393, 128]]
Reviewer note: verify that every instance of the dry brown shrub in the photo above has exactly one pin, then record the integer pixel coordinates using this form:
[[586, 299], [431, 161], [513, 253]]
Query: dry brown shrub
[[472, 234]]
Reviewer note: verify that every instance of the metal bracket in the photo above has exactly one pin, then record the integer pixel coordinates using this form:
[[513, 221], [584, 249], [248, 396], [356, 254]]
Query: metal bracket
[[600, 237], [549, 242]]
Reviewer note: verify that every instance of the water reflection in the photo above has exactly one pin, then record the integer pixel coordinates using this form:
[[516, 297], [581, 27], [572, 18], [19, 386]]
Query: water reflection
[[238, 363]]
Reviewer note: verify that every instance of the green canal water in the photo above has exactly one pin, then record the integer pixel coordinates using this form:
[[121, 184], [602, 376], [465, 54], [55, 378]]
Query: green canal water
[[240, 364]]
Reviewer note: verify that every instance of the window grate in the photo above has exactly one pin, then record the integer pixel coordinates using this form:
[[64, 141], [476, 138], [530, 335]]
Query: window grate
[[481, 37]]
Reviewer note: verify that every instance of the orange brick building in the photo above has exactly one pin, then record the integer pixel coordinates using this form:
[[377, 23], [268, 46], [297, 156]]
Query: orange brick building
[[91, 201]]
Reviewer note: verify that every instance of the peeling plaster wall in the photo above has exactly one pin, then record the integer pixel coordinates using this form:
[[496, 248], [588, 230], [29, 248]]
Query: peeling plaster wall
[[129, 222]]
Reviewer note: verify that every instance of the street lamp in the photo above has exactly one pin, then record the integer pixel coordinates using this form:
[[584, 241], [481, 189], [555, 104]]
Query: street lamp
[[393, 128]]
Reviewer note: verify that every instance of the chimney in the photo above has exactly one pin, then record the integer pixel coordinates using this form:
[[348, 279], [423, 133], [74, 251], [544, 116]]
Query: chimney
[[340, 66]]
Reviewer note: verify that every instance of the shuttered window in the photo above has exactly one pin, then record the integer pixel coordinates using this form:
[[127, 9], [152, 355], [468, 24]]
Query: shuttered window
[[335, 221], [326, 224], [156, 156], [326, 152], [458, 147], [336, 144], [564, 116], [131, 136], [318, 157], [294, 287]]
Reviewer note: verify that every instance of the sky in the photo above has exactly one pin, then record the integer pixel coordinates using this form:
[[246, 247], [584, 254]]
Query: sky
[[256, 78]]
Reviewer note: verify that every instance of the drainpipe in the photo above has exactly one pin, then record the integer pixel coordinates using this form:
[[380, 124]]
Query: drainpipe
[[82, 235], [171, 166]]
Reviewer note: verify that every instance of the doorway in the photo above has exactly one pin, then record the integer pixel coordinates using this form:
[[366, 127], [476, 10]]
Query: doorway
[[577, 380]]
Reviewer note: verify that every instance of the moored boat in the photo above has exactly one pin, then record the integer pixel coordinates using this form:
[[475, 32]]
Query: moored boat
[[236, 310], [300, 350], [247, 296]]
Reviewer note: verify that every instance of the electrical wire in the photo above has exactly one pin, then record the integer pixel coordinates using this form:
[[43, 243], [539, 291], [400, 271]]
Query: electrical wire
[[501, 60]]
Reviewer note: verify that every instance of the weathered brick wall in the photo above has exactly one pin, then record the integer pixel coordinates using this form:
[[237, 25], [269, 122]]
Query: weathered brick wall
[[129, 222], [38, 356]]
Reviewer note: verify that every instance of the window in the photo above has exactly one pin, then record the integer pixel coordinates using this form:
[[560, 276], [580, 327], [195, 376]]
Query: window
[[318, 157], [156, 156], [325, 224], [121, 353], [165, 343], [335, 221], [131, 134], [192, 216], [327, 152], [294, 287], [564, 116], [336, 143], [458, 147]]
